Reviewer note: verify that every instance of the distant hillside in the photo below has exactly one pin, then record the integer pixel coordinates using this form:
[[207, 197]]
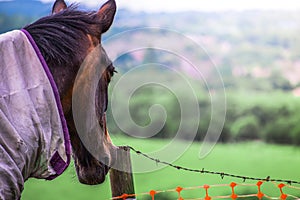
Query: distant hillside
[[16, 14], [29, 8], [250, 45]]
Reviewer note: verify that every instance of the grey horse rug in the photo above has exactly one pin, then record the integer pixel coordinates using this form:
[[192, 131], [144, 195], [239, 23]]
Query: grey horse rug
[[34, 140]]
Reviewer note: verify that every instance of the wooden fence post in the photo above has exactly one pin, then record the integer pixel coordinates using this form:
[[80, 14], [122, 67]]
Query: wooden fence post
[[121, 178]]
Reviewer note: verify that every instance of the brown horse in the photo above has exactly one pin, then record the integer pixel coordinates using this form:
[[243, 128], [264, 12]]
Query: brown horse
[[64, 40]]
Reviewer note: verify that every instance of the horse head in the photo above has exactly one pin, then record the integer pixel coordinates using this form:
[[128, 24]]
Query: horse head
[[65, 39]]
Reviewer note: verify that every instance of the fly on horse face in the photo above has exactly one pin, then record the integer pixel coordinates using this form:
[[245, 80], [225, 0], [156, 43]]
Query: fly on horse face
[[38, 67]]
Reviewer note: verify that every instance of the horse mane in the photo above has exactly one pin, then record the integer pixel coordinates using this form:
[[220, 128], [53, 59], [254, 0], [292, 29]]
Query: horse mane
[[61, 37]]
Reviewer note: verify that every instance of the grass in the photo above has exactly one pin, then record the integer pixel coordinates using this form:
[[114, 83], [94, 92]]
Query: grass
[[248, 159]]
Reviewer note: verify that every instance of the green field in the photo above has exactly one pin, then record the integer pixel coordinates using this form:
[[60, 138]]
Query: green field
[[248, 159]]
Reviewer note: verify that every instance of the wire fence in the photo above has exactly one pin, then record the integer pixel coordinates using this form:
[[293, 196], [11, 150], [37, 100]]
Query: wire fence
[[232, 195], [284, 187]]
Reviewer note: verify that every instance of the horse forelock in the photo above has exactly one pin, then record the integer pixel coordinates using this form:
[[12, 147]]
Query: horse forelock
[[62, 37]]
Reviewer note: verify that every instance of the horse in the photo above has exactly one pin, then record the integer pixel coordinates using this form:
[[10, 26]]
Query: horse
[[64, 39]]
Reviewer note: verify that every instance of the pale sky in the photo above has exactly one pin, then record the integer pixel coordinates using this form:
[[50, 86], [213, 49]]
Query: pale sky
[[197, 5]]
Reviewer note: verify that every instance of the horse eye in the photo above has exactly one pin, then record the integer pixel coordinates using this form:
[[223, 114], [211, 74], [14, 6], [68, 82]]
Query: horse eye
[[113, 71]]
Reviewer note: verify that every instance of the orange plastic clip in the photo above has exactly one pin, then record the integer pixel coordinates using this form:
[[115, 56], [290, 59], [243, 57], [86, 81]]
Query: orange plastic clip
[[152, 193], [260, 195], [233, 195], [207, 197], [179, 189], [282, 196]]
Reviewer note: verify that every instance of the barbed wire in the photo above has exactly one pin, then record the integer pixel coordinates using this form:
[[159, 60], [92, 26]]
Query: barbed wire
[[221, 174]]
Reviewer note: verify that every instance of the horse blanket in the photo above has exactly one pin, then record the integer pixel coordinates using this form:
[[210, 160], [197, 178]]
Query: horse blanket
[[34, 140]]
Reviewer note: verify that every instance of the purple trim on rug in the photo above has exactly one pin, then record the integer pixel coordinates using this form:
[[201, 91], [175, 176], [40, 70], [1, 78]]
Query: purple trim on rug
[[58, 164]]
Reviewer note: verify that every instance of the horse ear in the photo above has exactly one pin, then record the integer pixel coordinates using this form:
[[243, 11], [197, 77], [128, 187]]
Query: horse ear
[[58, 6], [106, 14]]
